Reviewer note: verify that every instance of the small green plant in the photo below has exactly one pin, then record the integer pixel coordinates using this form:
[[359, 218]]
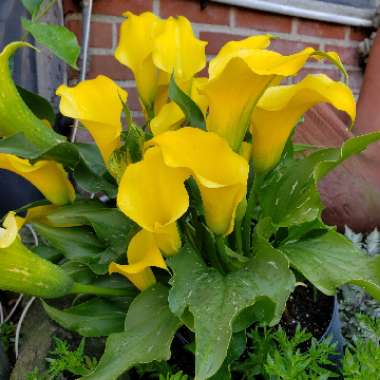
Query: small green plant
[[275, 356], [61, 359], [362, 359], [6, 333]]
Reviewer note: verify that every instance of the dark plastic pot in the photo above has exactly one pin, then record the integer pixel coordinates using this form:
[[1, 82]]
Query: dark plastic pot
[[334, 335]]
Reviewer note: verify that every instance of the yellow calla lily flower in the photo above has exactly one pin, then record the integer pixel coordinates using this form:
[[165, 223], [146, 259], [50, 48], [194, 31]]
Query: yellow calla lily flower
[[177, 51], [98, 105], [240, 48], [239, 82], [171, 117], [9, 231], [137, 40], [48, 177], [279, 109], [154, 196], [142, 254], [220, 173]]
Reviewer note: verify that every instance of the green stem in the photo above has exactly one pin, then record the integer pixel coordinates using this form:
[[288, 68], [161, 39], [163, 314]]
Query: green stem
[[99, 291], [221, 250], [238, 236], [251, 204]]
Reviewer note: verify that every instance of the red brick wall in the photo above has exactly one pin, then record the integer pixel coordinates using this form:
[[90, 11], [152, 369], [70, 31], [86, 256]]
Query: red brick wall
[[217, 24]]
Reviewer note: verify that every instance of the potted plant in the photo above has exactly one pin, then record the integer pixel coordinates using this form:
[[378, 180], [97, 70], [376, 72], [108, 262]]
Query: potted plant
[[214, 216]]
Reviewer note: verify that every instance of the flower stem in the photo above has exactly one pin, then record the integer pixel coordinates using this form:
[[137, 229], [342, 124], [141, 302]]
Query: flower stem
[[251, 204], [99, 291]]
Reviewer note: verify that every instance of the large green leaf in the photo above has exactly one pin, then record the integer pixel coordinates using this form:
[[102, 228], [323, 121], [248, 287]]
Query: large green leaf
[[149, 330], [38, 105], [216, 300], [290, 196], [79, 244], [193, 114], [93, 318], [58, 39], [111, 226], [330, 260]]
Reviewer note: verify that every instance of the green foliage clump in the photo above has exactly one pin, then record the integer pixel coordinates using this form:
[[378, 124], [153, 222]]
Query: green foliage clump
[[63, 360], [362, 359], [275, 356]]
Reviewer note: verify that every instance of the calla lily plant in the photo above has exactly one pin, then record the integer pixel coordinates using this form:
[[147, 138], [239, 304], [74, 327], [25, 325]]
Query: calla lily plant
[[213, 214]]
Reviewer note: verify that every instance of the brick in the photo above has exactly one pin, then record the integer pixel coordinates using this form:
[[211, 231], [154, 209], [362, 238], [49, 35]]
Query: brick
[[212, 14], [217, 40], [118, 7], [348, 55], [133, 99], [100, 36], [320, 29], [355, 80], [263, 21], [333, 74], [358, 34], [289, 47], [109, 66]]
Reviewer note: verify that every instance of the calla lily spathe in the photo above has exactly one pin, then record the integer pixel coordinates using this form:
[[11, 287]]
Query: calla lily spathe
[[221, 174], [48, 177], [155, 49], [279, 109], [154, 196], [238, 80], [177, 51], [9, 231], [142, 254], [137, 40], [98, 105]]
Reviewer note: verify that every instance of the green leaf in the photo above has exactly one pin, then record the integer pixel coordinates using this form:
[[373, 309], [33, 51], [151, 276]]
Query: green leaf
[[38, 105], [58, 39], [111, 226], [289, 196], [93, 318], [149, 330], [79, 244], [216, 300], [32, 6], [193, 114], [330, 260]]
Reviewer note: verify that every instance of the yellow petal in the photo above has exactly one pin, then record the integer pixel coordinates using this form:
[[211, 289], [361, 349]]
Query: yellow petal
[[280, 108], [177, 51], [48, 177], [239, 48], [169, 118], [168, 239], [153, 194], [143, 253], [246, 150], [220, 173], [238, 83], [37, 213], [199, 98], [232, 96], [9, 231], [97, 104], [137, 38]]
